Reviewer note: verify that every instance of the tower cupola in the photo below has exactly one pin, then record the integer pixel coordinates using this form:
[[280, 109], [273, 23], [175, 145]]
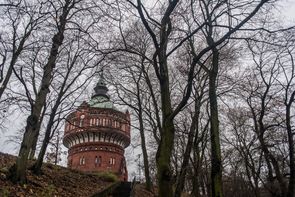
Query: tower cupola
[[101, 88]]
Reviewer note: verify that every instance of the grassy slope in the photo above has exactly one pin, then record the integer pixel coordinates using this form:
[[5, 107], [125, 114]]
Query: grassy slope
[[55, 181]]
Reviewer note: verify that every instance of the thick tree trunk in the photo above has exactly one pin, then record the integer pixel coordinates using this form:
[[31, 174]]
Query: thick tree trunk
[[163, 160], [216, 166], [164, 152], [37, 166], [18, 171], [35, 140]]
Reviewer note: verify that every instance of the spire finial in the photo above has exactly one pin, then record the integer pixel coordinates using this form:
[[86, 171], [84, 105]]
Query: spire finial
[[101, 74], [101, 89], [101, 78]]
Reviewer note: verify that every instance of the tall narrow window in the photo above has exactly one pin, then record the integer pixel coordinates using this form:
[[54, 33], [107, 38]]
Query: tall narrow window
[[81, 120], [90, 122], [82, 160], [112, 161], [98, 161]]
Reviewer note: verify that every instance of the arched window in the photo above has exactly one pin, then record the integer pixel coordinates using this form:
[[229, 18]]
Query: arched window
[[82, 160], [81, 120], [112, 161], [98, 161]]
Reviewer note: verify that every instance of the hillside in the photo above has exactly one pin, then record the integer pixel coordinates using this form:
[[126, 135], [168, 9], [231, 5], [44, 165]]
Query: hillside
[[55, 181]]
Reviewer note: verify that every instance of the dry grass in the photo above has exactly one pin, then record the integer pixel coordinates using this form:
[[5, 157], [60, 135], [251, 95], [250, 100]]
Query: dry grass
[[55, 181]]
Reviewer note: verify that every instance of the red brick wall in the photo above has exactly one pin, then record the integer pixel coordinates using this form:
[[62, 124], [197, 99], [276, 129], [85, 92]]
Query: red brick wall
[[103, 165]]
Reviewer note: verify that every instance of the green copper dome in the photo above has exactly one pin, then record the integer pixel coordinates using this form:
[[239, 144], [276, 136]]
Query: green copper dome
[[101, 102]]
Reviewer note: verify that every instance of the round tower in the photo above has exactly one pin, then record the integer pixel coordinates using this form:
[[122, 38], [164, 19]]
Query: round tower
[[96, 135]]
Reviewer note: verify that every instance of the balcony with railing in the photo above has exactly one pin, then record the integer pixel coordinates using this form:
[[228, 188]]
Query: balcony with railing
[[96, 123]]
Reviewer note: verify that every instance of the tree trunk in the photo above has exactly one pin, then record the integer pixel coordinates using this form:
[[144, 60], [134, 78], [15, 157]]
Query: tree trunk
[[145, 155], [35, 140], [18, 171], [7, 76], [196, 171], [188, 149], [163, 158], [216, 166], [274, 162], [164, 152], [291, 186], [37, 166], [143, 145]]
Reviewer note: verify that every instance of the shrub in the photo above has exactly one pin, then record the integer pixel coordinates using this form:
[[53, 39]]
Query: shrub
[[48, 191], [4, 192], [107, 176]]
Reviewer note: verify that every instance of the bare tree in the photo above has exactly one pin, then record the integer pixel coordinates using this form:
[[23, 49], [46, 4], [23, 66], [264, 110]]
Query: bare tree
[[135, 95], [287, 66], [160, 30], [18, 171]]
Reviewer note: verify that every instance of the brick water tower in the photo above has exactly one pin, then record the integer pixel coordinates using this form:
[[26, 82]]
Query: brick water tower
[[96, 135]]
